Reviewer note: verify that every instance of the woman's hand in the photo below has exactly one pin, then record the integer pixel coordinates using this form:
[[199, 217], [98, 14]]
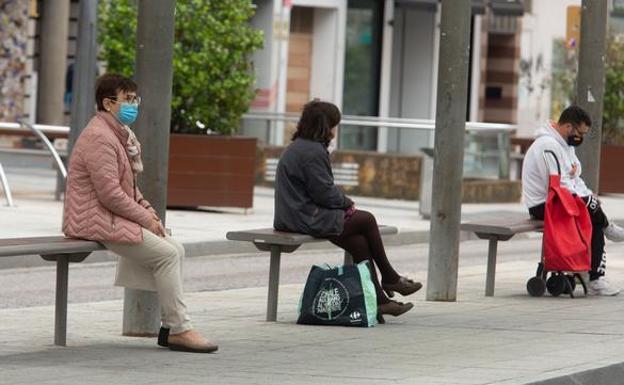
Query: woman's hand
[[157, 228], [155, 215], [350, 211]]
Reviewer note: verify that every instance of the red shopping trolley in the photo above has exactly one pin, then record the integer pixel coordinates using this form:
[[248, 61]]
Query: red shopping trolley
[[566, 244]]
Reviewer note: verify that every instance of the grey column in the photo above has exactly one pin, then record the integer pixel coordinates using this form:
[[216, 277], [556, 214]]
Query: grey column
[[53, 62], [591, 84], [83, 101], [154, 56], [449, 150]]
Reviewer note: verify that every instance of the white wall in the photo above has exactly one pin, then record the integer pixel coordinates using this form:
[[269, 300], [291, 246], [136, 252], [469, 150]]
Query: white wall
[[328, 48], [386, 73], [546, 23], [413, 76], [263, 59], [265, 62]]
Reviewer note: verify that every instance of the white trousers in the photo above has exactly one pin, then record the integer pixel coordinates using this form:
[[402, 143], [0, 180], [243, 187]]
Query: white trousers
[[162, 257]]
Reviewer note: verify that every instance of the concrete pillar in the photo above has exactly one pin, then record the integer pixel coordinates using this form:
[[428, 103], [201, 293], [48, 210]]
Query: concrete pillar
[[591, 84], [154, 75], [83, 101], [53, 63], [450, 126]]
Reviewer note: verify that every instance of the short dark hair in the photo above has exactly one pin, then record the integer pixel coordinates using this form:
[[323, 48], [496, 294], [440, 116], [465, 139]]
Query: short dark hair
[[575, 115], [109, 85], [317, 120]]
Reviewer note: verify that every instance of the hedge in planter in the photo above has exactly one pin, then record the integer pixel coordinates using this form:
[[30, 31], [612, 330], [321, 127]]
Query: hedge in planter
[[212, 88], [212, 73]]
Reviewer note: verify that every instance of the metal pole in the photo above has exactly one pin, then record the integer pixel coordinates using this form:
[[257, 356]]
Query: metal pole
[[83, 98], [6, 187], [54, 28], [60, 307], [46, 142], [154, 64], [591, 84], [274, 271], [452, 94]]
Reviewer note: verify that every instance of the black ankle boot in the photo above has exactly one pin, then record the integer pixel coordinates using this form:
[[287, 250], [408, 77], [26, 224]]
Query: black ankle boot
[[163, 337]]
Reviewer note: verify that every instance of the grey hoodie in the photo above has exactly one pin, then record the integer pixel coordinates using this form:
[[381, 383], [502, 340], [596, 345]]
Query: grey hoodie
[[539, 163]]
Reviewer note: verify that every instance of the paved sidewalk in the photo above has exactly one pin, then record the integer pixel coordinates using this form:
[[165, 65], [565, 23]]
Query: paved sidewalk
[[507, 339]]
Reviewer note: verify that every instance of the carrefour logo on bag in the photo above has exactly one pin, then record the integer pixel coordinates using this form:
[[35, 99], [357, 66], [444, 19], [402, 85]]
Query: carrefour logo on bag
[[331, 300], [355, 316]]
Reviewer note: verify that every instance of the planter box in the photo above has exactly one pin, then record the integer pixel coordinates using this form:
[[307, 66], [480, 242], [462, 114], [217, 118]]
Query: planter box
[[611, 161], [389, 176], [211, 170]]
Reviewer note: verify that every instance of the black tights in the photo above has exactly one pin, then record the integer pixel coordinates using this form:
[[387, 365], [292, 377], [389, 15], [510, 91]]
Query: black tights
[[360, 237]]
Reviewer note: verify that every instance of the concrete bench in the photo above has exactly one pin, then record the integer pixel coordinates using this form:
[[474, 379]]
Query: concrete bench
[[278, 242], [499, 229], [63, 251]]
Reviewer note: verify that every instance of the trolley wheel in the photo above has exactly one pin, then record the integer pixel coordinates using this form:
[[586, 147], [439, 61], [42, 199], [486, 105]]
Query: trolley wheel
[[556, 284], [536, 286], [572, 280]]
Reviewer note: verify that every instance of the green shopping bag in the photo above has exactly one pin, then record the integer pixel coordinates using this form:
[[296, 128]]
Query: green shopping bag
[[343, 295]]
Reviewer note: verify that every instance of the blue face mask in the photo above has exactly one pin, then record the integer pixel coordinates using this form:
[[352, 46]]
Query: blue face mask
[[128, 113]]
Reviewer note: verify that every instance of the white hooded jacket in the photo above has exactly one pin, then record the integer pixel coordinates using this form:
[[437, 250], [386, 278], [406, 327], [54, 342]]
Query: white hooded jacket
[[539, 164]]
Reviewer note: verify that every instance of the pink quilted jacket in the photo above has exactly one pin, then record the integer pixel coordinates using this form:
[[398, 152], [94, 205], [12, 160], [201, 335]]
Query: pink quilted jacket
[[101, 201]]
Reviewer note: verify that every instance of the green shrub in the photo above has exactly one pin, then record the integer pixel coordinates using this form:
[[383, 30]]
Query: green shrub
[[565, 70], [212, 71], [613, 113]]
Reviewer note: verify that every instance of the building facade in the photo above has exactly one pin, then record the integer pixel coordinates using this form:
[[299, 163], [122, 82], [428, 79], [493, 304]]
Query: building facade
[[379, 58]]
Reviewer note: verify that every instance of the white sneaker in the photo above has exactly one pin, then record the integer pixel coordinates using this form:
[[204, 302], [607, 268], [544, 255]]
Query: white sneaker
[[614, 233], [601, 286]]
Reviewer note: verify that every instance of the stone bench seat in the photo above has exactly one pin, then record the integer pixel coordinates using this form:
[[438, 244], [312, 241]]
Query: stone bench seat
[[54, 248], [499, 229], [278, 242]]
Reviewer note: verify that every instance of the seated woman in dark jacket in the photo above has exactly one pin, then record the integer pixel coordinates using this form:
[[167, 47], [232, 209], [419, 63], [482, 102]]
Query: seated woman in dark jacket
[[307, 201]]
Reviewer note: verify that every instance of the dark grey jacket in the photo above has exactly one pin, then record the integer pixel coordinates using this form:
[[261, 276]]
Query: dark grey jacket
[[306, 198]]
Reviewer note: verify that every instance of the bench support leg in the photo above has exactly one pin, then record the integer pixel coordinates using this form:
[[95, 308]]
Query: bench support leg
[[274, 268], [348, 258], [491, 267], [60, 313]]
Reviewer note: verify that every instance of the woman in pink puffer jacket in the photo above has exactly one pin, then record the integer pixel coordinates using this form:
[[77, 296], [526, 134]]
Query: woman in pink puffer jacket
[[103, 203]]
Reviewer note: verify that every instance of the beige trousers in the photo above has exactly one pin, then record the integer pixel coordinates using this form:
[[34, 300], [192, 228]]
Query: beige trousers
[[162, 257]]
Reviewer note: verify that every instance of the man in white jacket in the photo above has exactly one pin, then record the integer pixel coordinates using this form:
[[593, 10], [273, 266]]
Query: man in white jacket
[[558, 140]]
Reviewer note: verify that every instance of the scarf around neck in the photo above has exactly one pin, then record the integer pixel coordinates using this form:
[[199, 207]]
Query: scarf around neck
[[133, 148]]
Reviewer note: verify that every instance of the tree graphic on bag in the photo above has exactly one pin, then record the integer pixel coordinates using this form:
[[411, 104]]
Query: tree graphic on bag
[[343, 295]]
